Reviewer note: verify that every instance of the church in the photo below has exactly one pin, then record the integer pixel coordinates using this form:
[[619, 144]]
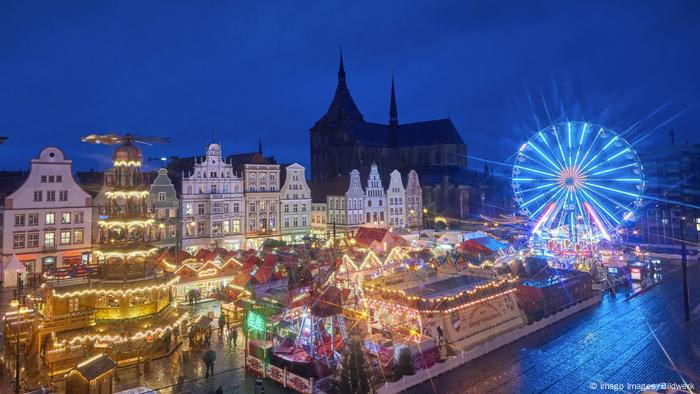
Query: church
[[342, 140]]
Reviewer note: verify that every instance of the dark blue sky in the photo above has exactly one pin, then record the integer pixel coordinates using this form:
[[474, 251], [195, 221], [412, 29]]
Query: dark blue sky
[[250, 70]]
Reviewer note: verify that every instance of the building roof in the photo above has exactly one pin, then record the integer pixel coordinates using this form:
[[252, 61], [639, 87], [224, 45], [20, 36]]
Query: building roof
[[95, 367], [9, 182], [240, 159], [445, 287]]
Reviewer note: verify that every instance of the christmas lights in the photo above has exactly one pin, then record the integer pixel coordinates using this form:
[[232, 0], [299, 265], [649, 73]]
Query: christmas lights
[[115, 293]]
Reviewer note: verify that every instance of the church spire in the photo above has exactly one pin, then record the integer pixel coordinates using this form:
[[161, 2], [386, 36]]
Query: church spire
[[393, 113], [341, 70]]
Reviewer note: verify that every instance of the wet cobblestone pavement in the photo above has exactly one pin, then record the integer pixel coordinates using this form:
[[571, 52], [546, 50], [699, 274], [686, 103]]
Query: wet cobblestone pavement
[[623, 340]]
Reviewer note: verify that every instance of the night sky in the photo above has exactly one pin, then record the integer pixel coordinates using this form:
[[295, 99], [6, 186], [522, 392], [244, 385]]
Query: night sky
[[181, 69]]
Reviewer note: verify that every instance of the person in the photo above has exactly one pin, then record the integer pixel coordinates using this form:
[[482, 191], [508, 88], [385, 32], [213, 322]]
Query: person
[[209, 357], [234, 334], [222, 323], [207, 337], [258, 386], [229, 336], [220, 390]]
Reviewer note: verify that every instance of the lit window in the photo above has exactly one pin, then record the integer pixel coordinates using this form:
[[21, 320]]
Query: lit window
[[18, 241], [65, 218], [50, 218], [49, 240], [78, 236], [65, 237]]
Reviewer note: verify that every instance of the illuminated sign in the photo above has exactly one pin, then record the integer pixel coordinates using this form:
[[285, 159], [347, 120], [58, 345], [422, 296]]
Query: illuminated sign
[[636, 273], [207, 272], [254, 322]]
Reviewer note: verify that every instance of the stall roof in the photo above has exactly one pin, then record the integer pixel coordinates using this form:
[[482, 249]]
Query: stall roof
[[447, 286]]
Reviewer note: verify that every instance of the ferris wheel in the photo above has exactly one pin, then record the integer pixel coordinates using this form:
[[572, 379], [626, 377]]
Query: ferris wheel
[[577, 182]]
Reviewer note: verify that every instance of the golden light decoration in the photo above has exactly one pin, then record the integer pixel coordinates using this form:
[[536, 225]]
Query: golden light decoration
[[132, 193], [127, 163], [115, 293], [133, 253], [122, 339], [125, 223]]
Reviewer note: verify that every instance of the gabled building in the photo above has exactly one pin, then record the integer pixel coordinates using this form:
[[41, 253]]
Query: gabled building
[[295, 203], [212, 203], [375, 200], [163, 206], [396, 199], [414, 201], [47, 219]]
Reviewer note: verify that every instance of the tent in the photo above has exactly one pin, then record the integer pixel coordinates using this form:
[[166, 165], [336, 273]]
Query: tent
[[10, 270]]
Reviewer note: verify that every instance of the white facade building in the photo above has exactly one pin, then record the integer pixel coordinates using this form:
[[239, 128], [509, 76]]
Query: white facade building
[[414, 201], [212, 204], [295, 203], [396, 197], [375, 200], [318, 220], [355, 198], [262, 200], [47, 221]]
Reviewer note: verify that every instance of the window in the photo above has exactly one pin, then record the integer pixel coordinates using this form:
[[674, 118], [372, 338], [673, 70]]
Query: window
[[369, 203], [50, 218], [216, 207], [303, 207], [286, 208], [261, 206], [59, 178], [236, 226], [78, 236], [226, 226], [78, 217], [216, 228], [226, 207], [51, 195], [51, 179], [295, 208], [286, 222], [38, 195], [200, 209], [65, 237], [33, 240], [236, 207], [162, 213], [200, 228], [296, 222], [65, 218], [251, 207], [303, 221], [18, 240], [262, 188], [49, 240], [213, 187], [161, 196], [19, 220], [380, 203], [73, 304], [63, 195], [43, 179], [188, 209], [272, 177]]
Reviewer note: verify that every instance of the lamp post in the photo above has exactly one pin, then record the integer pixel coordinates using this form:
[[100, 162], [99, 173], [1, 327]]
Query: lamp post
[[684, 263]]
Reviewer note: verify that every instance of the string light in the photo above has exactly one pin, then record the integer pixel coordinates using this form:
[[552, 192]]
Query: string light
[[115, 293], [133, 193], [133, 253], [127, 223], [122, 339], [127, 163]]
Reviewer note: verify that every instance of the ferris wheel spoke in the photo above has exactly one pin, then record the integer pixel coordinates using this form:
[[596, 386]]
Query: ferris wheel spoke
[[600, 206], [551, 150], [580, 143], [537, 187], [593, 160], [555, 168], [561, 150], [538, 197], [613, 189], [615, 156], [534, 170], [583, 160], [612, 200], [546, 203], [538, 162], [586, 222]]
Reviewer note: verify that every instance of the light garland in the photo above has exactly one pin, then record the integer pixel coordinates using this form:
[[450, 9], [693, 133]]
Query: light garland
[[398, 307], [381, 290], [116, 293], [133, 193], [127, 163], [122, 339], [133, 253], [127, 223]]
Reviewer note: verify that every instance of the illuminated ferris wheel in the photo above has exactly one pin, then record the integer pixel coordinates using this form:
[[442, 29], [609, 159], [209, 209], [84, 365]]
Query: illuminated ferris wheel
[[577, 182]]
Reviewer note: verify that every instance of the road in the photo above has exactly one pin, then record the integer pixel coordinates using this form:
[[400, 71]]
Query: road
[[639, 340]]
